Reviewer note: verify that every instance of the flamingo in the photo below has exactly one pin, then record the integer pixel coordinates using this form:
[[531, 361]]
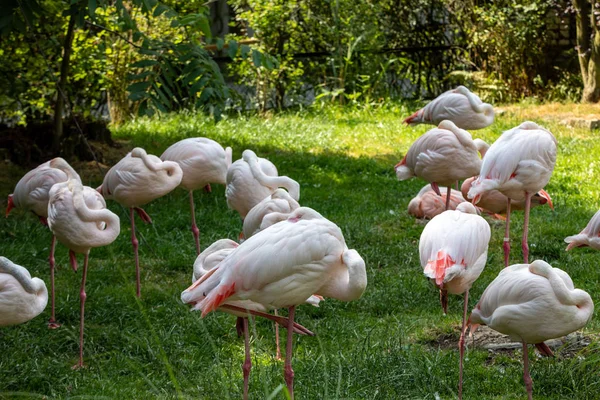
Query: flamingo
[[251, 179], [590, 236], [495, 202], [453, 250], [78, 217], [136, 180], [427, 204], [518, 164], [209, 259], [270, 210], [532, 303], [31, 193], [282, 266], [22, 297], [443, 155], [203, 161], [460, 106]]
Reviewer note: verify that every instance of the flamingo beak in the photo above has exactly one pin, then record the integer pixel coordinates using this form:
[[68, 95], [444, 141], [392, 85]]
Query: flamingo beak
[[476, 199], [546, 196], [11, 204]]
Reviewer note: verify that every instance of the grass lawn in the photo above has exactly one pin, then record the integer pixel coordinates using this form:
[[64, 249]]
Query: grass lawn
[[384, 346]]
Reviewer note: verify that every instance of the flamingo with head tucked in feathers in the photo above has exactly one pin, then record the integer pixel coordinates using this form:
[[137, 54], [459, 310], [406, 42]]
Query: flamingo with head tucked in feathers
[[78, 217], [31, 193], [427, 203], [518, 164], [203, 161], [282, 266], [532, 303], [460, 106], [22, 297], [270, 210], [442, 156], [453, 250], [251, 179], [136, 180], [590, 236]]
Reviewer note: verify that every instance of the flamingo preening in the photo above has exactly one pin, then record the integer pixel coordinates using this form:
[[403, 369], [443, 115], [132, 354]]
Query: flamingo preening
[[590, 236], [427, 203]]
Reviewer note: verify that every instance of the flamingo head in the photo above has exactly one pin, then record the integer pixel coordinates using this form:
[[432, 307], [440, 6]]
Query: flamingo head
[[545, 196], [11, 204]]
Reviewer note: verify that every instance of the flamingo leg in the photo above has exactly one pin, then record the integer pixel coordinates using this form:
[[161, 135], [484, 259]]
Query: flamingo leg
[[195, 229], [526, 376], [448, 193], [457, 185], [247, 366], [526, 227], [82, 297], [278, 350], [436, 188], [289, 372], [52, 324], [507, 234], [444, 300], [461, 346], [135, 244]]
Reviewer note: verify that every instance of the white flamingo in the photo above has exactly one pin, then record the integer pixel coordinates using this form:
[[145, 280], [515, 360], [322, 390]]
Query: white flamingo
[[590, 236], [203, 161]]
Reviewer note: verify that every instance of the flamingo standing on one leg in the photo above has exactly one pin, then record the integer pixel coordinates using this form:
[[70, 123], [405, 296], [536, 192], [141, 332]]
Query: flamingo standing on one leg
[[453, 250], [203, 161], [208, 260], [251, 179], [21, 297], [31, 193], [518, 164], [282, 266], [78, 217], [441, 156], [427, 204], [532, 303], [460, 106], [136, 180], [590, 236]]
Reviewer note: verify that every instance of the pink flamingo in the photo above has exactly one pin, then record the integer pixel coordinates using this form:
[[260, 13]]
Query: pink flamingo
[[453, 250], [270, 210], [31, 193], [21, 297], [251, 179], [460, 106], [590, 236], [203, 161], [441, 156], [532, 303], [78, 217], [518, 164], [208, 260], [282, 266], [427, 203], [136, 180]]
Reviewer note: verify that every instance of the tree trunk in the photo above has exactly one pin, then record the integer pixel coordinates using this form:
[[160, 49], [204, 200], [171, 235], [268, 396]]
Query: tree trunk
[[588, 49], [62, 84]]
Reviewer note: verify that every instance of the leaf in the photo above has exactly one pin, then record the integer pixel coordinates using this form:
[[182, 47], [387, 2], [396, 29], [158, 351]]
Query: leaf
[[138, 86], [205, 27], [220, 43], [256, 58], [232, 49], [143, 63], [92, 8], [159, 10], [137, 96], [245, 51]]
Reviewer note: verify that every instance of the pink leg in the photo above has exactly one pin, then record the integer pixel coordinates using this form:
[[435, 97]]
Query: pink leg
[[526, 228], [195, 229], [52, 324], [507, 235], [135, 244], [82, 297], [436, 188], [461, 346], [457, 186], [278, 350], [526, 376], [444, 300], [448, 193], [289, 372], [248, 362], [143, 215]]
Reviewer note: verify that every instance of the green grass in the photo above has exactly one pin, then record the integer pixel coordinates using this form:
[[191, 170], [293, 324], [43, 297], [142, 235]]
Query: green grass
[[379, 347]]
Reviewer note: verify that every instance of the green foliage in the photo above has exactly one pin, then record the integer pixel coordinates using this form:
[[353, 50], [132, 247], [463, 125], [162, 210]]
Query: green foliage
[[384, 346]]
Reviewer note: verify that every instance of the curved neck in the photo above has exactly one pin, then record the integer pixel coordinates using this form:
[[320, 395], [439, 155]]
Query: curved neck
[[20, 274], [86, 214], [153, 166], [351, 283], [482, 147], [475, 102], [61, 164], [272, 182]]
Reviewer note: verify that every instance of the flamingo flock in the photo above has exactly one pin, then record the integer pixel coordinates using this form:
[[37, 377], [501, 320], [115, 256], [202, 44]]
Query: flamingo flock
[[288, 255]]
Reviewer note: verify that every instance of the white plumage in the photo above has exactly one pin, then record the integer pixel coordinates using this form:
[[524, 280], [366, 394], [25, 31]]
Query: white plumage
[[272, 209], [460, 106], [590, 236], [22, 297], [427, 203]]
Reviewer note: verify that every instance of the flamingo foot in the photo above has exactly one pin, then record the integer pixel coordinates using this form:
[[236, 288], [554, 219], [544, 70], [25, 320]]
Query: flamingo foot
[[52, 324], [78, 366], [143, 215], [73, 260]]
